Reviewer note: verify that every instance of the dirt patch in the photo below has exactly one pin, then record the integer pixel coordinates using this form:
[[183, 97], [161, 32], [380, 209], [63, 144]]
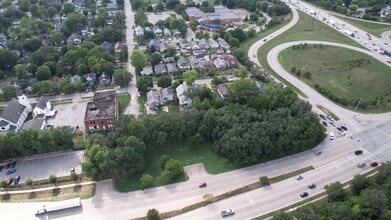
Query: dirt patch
[[77, 191], [197, 169]]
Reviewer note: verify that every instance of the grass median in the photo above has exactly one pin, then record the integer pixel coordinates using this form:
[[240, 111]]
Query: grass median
[[375, 29]]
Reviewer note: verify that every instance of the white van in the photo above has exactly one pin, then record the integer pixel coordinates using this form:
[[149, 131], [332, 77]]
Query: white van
[[331, 136]]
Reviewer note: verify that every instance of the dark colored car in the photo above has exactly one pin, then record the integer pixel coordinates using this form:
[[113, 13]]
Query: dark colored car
[[311, 185], [10, 171], [1, 168], [344, 128], [318, 152], [203, 184], [9, 181], [304, 194], [374, 164], [13, 164], [324, 123], [322, 116], [340, 129], [358, 152], [16, 180]]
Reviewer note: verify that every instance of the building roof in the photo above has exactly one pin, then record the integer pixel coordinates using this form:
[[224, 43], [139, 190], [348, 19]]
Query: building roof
[[42, 102], [34, 124], [167, 91], [222, 89], [160, 68], [13, 111], [104, 105], [153, 99], [171, 68], [19, 92]]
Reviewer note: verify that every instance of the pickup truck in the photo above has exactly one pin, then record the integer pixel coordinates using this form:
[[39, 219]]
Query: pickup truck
[[227, 212]]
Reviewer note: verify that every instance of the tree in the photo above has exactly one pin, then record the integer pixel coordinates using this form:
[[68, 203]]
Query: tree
[[8, 59], [9, 92], [340, 210], [359, 183], [230, 4], [52, 179], [122, 77], [190, 76], [335, 192], [164, 81], [138, 59], [74, 176], [251, 33], [3, 184], [174, 167], [29, 182], [281, 215], [170, 4], [373, 202], [163, 159], [155, 59], [153, 214], [179, 8], [193, 25], [68, 8], [264, 180], [234, 42], [241, 91], [143, 83], [43, 73], [146, 181]]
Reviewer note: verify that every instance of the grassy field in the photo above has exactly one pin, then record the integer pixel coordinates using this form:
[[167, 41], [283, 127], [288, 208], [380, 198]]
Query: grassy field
[[305, 29], [369, 27], [83, 192], [213, 163], [123, 102], [346, 73]]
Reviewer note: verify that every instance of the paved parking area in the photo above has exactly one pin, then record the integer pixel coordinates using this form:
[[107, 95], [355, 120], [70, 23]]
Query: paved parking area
[[153, 18], [241, 13], [71, 114], [41, 167]]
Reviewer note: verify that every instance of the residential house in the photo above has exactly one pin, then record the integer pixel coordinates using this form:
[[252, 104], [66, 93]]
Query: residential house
[[56, 18], [162, 47], [204, 44], [112, 6], [169, 60], [74, 39], [75, 79], [102, 112], [213, 44], [34, 124], [139, 31], [104, 79], [199, 53], [90, 16], [157, 31], [180, 92], [195, 62], [142, 46], [172, 68], [166, 32], [222, 90], [107, 47], [153, 99], [176, 33], [15, 114], [43, 107], [118, 47], [185, 44], [220, 51], [160, 69], [183, 64], [260, 84], [147, 71], [232, 62], [194, 45], [167, 95], [223, 43], [153, 43], [220, 63], [110, 21], [208, 64], [90, 78]]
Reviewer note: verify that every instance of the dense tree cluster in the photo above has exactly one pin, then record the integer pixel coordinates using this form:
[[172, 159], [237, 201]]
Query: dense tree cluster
[[273, 8], [31, 142], [372, 201]]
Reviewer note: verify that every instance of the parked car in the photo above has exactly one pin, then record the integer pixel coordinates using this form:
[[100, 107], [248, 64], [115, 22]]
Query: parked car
[[340, 129], [344, 128], [331, 136], [227, 212], [330, 118], [13, 164], [299, 177], [318, 152], [361, 164], [7, 166], [9, 181], [322, 116], [10, 171], [358, 152], [1, 168], [374, 164], [304, 194], [311, 185], [203, 184], [16, 180], [324, 123]]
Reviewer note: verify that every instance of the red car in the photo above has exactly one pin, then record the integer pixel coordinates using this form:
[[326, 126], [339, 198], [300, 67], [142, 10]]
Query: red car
[[374, 164], [9, 181], [203, 184], [7, 166]]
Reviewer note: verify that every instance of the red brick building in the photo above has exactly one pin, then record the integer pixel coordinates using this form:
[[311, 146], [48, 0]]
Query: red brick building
[[101, 112]]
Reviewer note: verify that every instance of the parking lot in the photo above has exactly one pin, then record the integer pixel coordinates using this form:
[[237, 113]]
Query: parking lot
[[41, 167], [71, 114], [154, 17]]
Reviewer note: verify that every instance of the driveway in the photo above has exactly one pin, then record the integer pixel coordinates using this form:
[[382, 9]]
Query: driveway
[[42, 166]]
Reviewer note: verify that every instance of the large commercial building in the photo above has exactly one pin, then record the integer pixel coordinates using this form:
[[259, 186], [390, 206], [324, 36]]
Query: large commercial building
[[225, 15], [101, 112]]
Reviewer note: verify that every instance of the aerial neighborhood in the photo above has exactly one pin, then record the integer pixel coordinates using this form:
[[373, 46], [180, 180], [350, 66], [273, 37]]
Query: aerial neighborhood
[[195, 109]]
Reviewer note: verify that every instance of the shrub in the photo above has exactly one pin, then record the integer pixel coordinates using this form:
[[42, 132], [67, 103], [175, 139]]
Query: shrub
[[74, 176], [146, 181], [52, 179], [153, 214], [264, 180], [163, 160], [29, 182]]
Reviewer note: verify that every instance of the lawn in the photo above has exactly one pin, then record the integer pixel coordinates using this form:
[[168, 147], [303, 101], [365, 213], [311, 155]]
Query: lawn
[[305, 29], [123, 102], [369, 27], [346, 73], [213, 163]]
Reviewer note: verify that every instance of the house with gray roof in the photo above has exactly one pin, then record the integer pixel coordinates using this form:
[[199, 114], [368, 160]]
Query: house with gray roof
[[104, 79], [223, 43], [74, 39], [172, 68], [166, 32], [175, 32], [220, 63], [142, 46], [147, 71], [44, 107], [15, 114], [195, 62], [153, 99], [213, 44], [204, 44], [107, 47], [167, 95], [180, 92], [183, 64], [157, 31], [160, 69], [223, 91], [112, 6], [194, 45], [139, 31], [163, 46]]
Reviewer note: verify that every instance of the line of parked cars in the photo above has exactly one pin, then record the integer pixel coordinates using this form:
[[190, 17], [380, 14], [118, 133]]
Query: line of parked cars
[[10, 167]]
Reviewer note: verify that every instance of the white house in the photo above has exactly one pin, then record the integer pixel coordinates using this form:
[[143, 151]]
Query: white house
[[43, 108], [180, 92], [15, 114], [139, 31]]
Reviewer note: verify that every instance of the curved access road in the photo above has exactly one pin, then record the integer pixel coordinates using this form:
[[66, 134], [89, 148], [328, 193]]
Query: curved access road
[[386, 35]]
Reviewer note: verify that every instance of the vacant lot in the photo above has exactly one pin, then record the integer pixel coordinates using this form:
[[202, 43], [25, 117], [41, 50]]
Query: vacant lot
[[346, 73], [372, 28]]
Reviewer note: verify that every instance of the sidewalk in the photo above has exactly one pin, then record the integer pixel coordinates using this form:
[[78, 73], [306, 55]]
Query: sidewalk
[[47, 188]]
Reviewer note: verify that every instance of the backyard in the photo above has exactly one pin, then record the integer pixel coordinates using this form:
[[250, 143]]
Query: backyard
[[346, 73]]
